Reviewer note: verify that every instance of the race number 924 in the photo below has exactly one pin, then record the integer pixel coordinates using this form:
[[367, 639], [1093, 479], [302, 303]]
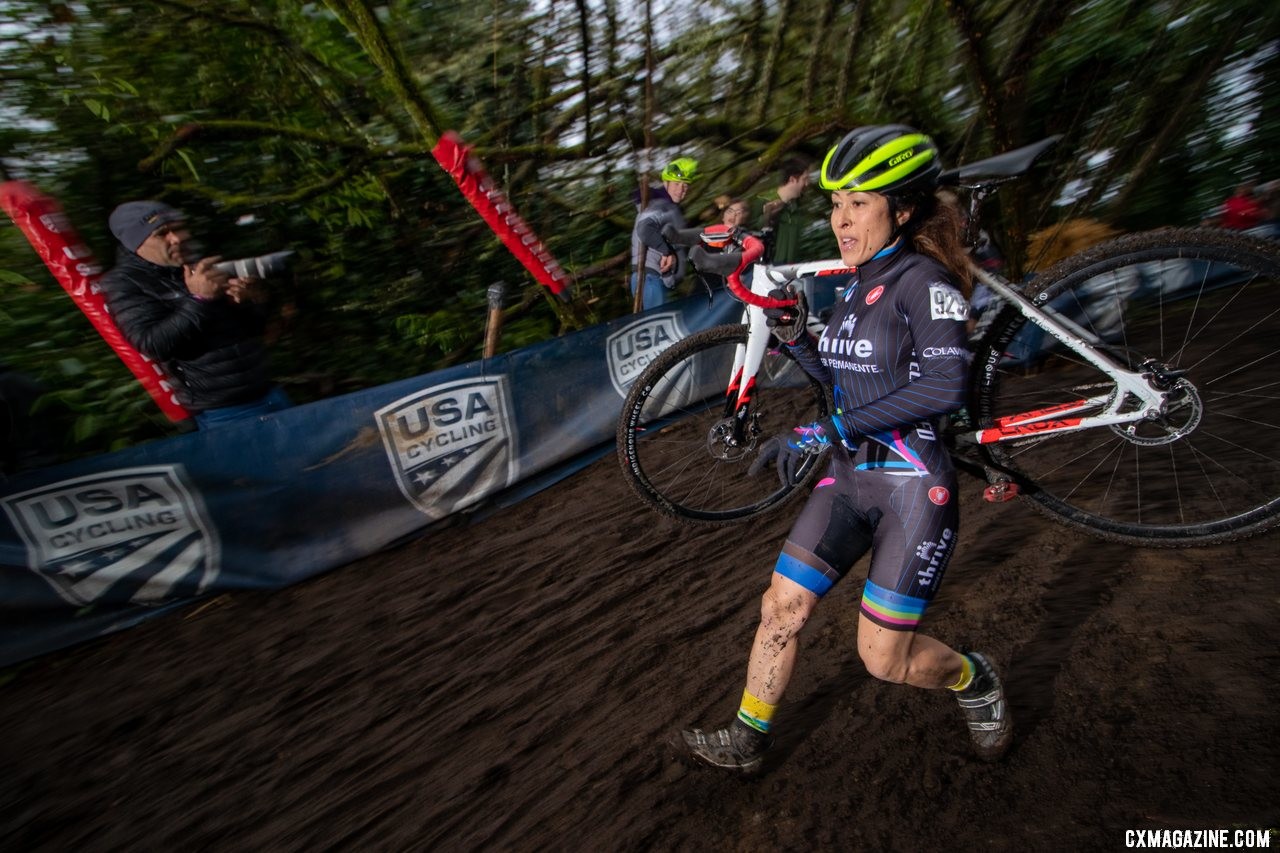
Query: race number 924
[[946, 303]]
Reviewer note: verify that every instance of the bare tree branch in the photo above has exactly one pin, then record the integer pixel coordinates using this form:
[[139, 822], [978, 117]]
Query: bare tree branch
[[769, 73], [360, 18], [241, 129]]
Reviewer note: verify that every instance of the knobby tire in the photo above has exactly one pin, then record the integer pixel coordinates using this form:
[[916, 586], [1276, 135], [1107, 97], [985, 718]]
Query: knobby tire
[[669, 434], [1199, 300]]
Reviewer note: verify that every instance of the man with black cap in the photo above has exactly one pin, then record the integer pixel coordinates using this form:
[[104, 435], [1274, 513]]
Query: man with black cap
[[189, 316]]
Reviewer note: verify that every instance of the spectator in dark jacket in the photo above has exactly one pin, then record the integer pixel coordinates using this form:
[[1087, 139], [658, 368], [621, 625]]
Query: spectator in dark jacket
[[191, 317]]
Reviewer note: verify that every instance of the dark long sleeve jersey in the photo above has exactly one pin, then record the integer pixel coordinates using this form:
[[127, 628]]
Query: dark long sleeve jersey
[[894, 350]]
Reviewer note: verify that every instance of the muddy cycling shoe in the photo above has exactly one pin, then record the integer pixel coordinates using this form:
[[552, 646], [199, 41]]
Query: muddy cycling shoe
[[737, 747], [986, 711]]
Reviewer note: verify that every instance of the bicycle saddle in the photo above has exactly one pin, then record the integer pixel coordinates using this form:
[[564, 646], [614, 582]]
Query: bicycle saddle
[[1002, 167]]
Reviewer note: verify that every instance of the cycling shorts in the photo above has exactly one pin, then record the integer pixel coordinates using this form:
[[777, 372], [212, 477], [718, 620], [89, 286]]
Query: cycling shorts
[[909, 522]]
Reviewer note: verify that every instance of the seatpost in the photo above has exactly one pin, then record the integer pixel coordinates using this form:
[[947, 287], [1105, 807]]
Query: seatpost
[[971, 227]]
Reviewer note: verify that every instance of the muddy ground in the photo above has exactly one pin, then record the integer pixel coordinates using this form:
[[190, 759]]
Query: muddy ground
[[509, 684]]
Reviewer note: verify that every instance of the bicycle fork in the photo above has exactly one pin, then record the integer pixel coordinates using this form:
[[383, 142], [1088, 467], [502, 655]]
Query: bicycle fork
[[746, 364]]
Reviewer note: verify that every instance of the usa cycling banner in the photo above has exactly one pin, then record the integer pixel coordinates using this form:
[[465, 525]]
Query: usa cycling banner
[[100, 544], [51, 234], [495, 208]]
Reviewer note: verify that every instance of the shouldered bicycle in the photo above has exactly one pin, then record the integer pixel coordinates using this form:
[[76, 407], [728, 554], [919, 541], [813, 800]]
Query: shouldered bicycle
[[1125, 391]]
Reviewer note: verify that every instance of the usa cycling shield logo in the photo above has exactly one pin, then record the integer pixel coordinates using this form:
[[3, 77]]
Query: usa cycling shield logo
[[451, 445], [633, 347], [133, 535]]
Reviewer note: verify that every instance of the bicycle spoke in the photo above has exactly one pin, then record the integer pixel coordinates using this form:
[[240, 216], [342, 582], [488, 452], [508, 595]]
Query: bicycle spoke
[[1068, 461], [1237, 339], [1250, 421], [694, 466], [1237, 446], [1100, 463], [1213, 486], [1235, 295], [1254, 393], [1201, 311]]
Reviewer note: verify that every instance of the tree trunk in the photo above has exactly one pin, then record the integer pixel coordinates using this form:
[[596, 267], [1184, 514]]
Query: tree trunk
[[845, 74], [769, 72], [819, 58], [584, 34], [1184, 95]]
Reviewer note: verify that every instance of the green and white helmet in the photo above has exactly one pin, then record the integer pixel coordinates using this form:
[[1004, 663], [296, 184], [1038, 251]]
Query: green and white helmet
[[890, 159]]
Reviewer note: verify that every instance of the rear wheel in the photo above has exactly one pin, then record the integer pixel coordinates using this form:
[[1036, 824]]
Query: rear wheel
[[1200, 308], [684, 447]]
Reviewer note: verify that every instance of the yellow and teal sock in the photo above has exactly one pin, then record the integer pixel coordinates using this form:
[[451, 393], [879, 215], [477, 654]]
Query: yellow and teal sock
[[966, 674], [756, 713]]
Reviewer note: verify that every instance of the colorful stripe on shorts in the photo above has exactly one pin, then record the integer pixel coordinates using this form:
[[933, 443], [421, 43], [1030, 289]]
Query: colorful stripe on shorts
[[891, 609]]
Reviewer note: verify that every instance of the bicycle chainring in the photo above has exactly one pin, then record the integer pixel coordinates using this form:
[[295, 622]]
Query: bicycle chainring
[[1183, 410]]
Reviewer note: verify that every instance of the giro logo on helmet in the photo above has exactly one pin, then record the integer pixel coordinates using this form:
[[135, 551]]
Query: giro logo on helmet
[[905, 155]]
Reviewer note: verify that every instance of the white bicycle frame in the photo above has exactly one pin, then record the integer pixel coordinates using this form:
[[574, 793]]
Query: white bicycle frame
[[1130, 386], [764, 278]]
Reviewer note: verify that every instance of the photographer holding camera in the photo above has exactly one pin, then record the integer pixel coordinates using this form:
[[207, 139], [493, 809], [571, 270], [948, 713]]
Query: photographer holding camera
[[194, 315]]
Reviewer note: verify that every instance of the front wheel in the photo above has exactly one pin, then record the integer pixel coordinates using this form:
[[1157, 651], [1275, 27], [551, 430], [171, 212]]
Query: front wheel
[[1198, 311], [686, 448]]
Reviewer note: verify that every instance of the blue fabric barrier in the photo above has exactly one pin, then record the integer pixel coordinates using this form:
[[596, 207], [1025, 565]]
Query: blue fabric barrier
[[103, 543]]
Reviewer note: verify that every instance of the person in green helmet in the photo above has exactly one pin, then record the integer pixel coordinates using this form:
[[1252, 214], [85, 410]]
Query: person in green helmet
[[895, 357], [657, 265]]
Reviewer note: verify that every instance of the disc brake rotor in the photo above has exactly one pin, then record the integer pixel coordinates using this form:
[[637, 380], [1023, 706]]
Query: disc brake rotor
[[720, 443]]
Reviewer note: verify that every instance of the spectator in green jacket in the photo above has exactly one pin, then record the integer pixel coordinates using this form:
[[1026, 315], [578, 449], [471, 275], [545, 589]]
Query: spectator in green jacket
[[779, 211]]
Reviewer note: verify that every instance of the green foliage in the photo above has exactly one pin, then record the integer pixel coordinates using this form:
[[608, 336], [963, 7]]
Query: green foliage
[[280, 124]]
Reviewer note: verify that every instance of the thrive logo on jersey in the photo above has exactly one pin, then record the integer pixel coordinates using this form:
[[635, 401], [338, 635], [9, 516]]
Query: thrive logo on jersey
[[450, 445], [137, 535], [842, 353], [635, 345], [848, 324]]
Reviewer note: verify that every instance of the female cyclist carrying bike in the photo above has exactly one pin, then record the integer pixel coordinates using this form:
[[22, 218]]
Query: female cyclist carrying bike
[[894, 354]]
